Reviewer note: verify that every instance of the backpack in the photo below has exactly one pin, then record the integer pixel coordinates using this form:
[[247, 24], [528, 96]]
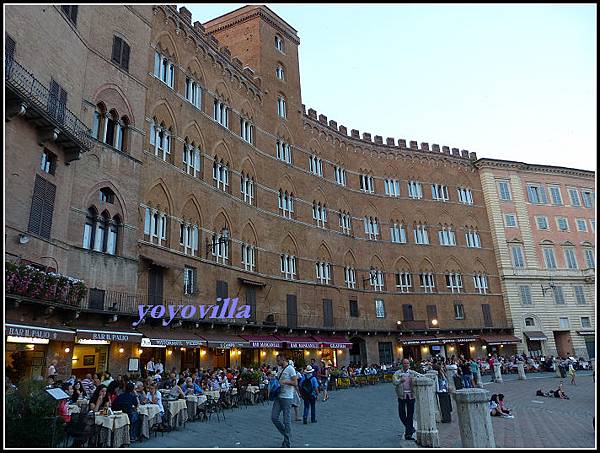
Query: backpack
[[275, 386], [307, 388]]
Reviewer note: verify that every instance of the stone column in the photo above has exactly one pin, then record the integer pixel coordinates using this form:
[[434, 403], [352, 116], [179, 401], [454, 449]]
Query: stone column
[[479, 380], [497, 372], [474, 421], [427, 433], [521, 369], [434, 377], [450, 377]]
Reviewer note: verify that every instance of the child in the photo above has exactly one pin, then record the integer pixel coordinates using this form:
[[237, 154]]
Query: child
[[501, 404]]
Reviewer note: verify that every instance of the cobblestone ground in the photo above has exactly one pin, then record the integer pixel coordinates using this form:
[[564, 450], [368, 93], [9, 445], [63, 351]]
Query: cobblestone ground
[[368, 417]]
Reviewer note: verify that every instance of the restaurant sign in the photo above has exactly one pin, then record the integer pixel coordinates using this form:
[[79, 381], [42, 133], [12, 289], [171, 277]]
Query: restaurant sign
[[266, 344], [35, 332], [170, 342], [335, 345], [108, 336], [302, 345]]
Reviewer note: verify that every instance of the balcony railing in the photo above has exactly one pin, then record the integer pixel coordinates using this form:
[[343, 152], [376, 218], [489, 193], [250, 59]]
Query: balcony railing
[[43, 107]]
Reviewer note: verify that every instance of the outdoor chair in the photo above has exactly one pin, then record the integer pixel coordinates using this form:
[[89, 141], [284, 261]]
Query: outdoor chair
[[82, 429]]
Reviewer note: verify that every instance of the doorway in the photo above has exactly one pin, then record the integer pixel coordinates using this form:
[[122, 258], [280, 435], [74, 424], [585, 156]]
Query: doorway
[[155, 285], [564, 346]]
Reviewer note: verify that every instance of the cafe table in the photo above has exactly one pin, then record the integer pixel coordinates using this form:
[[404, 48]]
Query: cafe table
[[74, 409], [114, 429], [150, 416], [253, 391], [176, 412], [83, 403]]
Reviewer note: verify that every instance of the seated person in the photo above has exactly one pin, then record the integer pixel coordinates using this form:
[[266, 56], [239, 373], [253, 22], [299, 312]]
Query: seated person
[[176, 391], [495, 409], [501, 404], [155, 397], [191, 388], [128, 403], [140, 393], [99, 399], [63, 405], [559, 393]]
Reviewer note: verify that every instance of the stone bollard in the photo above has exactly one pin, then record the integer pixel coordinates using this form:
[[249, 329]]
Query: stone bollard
[[474, 420], [451, 386], [521, 369], [479, 380], [434, 377], [497, 373], [427, 433]]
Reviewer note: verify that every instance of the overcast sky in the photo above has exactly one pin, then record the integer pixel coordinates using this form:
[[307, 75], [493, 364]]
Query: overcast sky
[[508, 81]]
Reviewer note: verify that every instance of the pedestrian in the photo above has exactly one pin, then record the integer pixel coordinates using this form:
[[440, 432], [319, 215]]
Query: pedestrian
[[474, 368], [465, 369], [51, 372], [150, 367], [323, 375], [282, 402], [572, 372], [296, 399], [402, 381], [309, 391]]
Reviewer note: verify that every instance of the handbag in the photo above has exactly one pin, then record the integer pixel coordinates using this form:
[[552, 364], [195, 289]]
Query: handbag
[[275, 386]]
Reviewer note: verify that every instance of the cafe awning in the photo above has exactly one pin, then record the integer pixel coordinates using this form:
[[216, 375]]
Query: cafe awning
[[249, 282], [168, 337], [156, 262], [493, 340], [109, 335], [419, 339], [333, 342], [263, 341], [223, 341], [535, 335], [299, 342], [45, 333]]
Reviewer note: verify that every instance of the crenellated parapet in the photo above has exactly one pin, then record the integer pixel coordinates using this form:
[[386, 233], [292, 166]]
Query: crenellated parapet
[[210, 45], [390, 142]]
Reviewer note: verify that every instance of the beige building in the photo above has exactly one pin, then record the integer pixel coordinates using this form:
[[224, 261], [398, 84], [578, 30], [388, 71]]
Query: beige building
[[544, 228]]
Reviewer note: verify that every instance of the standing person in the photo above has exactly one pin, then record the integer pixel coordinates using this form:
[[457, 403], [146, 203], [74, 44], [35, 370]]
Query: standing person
[[51, 372], [158, 367], [150, 367], [309, 390], [283, 401], [402, 381], [296, 400], [465, 369], [474, 368], [572, 372]]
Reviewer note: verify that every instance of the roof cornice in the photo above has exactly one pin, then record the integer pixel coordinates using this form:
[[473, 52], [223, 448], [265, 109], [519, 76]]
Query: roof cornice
[[535, 168]]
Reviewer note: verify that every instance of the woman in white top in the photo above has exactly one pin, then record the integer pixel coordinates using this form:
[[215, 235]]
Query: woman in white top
[[155, 397]]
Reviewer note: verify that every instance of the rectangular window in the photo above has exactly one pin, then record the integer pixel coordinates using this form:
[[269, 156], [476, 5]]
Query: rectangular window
[[525, 292], [585, 322], [556, 195], [559, 296], [415, 190], [439, 192], [563, 323], [503, 190], [57, 101], [588, 198], [392, 187], [354, 309], [376, 280], [379, 308], [350, 277], [580, 295], [385, 352], [549, 258], [537, 194], [589, 258], [327, 313], [42, 207], [487, 315], [404, 282], [427, 282], [581, 225], [189, 282], [518, 256], [71, 12], [510, 220], [570, 259], [459, 311], [120, 53], [574, 196], [464, 195], [454, 282], [542, 222], [562, 224], [48, 163], [340, 175], [420, 234]]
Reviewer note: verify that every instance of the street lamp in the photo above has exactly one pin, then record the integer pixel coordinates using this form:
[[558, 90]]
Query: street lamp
[[434, 322]]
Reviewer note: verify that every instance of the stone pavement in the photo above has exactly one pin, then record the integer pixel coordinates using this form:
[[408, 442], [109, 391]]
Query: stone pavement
[[368, 417], [539, 422]]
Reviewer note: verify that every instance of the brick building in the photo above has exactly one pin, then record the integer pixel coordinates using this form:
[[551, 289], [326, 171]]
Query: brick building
[[188, 171], [544, 234]]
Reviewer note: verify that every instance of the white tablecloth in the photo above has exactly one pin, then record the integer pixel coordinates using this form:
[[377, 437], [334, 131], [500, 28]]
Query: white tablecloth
[[176, 412], [74, 409], [114, 431]]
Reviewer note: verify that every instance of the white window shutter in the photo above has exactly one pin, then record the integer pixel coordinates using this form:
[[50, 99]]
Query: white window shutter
[[157, 61], [147, 222]]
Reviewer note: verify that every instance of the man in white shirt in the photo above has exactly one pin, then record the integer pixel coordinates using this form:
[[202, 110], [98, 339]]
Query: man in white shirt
[[158, 367], [52, 369], [150, 367], [283, 402]]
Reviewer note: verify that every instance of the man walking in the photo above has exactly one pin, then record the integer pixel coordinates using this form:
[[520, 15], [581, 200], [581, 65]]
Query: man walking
[[283, 402], [309, 388], [402, 381], [150, 368]]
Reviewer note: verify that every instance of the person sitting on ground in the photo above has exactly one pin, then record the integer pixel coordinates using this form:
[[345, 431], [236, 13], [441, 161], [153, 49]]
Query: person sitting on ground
[[495, 409], [559, 392], [501, 404]]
